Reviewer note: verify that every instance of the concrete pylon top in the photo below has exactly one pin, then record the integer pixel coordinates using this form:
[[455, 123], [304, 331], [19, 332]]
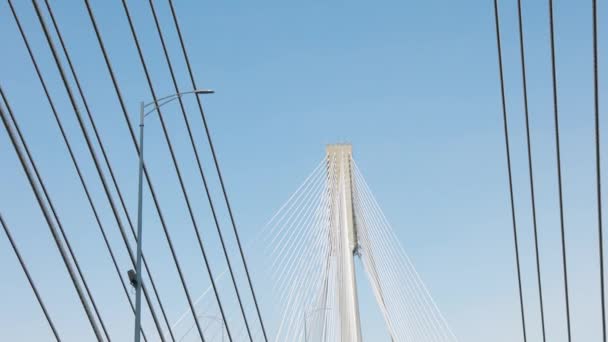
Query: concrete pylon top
[[339, 148]]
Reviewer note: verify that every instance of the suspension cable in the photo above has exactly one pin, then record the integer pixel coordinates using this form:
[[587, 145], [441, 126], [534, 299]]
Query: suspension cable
[[596, 105], [29, 278], [530, 167], [508, 153], [559, 169]]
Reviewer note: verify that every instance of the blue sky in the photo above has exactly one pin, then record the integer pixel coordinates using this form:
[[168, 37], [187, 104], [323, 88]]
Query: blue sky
[[414, 87]]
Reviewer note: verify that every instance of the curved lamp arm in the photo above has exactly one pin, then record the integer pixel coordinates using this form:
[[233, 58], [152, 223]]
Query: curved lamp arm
[[169, 98]]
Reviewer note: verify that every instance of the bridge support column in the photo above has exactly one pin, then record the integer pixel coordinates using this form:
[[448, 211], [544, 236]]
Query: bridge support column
[[345, 234]]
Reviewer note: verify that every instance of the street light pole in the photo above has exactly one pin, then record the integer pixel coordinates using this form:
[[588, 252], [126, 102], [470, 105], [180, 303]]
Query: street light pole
[[138, 271], [137, 276]]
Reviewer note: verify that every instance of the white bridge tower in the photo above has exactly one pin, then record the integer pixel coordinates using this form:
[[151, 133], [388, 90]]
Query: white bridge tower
[[339, 171], [311, 246]]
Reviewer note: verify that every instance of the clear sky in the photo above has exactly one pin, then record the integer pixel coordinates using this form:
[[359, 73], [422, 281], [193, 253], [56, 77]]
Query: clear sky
[[414, 87]]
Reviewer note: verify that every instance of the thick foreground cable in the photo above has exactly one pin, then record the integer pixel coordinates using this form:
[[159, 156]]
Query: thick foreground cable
[[559, 169], [29, 277], [596, 105], [508, 152], [530, 168]]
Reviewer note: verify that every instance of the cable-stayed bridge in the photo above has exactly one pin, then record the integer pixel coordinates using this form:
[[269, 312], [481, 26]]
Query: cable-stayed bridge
[[310, 249], [312, 244]]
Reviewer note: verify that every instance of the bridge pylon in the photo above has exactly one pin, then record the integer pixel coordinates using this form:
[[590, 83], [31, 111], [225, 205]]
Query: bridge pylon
[[343, 229], [313, 240]]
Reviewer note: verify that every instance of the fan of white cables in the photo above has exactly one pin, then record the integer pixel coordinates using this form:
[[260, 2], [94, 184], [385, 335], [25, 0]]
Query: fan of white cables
[[297, 246], [409, 310], [278, 237]]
